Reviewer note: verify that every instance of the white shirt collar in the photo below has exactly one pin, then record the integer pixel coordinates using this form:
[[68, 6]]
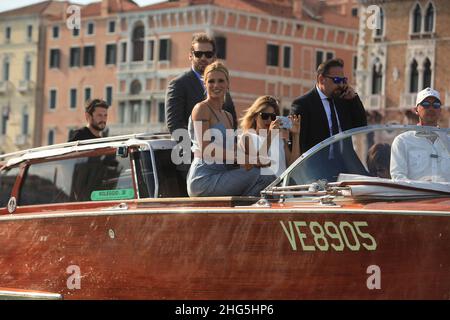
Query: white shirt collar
[[321, 94], [196, 73]]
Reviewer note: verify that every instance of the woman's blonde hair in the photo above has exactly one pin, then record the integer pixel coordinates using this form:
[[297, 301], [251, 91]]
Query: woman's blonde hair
[[248, 121], [216, 66]]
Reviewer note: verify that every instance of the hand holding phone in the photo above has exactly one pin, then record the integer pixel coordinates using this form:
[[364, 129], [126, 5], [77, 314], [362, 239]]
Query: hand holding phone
[[285, 122], [348, 93]]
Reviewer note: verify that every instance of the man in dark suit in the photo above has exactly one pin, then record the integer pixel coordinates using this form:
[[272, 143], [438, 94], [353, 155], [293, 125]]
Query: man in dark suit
[[317, 118], [185, 91], [188, 89], [330, 107]]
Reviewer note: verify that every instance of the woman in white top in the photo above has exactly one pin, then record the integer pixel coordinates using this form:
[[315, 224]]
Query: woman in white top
[[267, 140]]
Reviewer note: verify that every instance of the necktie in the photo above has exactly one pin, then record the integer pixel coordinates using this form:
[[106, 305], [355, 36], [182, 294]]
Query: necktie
[[334, 123], [203, 86]]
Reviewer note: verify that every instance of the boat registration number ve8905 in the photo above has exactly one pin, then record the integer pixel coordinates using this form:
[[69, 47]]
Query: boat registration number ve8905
[[329, 235]]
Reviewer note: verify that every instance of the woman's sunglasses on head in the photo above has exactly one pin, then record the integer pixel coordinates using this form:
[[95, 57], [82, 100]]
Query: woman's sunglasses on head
[[337, 80], [267, 115], [427, 104], [199, 54]]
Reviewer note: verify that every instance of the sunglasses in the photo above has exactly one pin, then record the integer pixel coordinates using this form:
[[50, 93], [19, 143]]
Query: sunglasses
[[427, 104], [267, 115], [337, 80], [199, 54]]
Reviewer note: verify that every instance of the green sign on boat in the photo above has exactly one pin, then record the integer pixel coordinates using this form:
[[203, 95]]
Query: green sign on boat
[[119, 194]]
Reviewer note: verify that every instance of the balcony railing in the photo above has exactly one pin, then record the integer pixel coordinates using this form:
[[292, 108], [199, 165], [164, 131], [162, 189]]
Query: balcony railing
[[24, 85], [374, 102], [408, 100], [21, 139], [4, 86]]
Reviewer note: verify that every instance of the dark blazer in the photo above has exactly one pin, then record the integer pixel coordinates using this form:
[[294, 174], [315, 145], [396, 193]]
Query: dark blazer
[[81, 134], [314, 123], [182, 94]]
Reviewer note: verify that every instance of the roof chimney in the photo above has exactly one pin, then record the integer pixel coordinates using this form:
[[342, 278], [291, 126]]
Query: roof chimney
[[185, 2], [64, 13], [322, 6], [297, 8], [104, 8]]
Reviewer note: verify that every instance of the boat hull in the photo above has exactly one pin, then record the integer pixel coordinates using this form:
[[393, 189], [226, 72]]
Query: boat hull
[[176, 254]]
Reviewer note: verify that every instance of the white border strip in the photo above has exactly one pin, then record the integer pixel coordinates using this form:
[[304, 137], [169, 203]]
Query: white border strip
[[249, 210], [28, 295]]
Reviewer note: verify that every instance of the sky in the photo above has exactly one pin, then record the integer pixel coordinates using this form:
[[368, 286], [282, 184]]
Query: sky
[[9, 5]]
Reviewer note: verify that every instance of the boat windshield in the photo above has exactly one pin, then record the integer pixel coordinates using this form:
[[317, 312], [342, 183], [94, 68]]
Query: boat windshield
[[393, 153]]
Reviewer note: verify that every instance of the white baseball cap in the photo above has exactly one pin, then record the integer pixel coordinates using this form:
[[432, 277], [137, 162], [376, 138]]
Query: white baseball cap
[[425, 93]]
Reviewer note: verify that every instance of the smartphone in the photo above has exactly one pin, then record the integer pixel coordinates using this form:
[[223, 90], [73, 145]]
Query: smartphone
[[285, 122]]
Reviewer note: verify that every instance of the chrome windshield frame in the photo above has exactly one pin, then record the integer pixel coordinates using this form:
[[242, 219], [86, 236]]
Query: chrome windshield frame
[[346, 134]]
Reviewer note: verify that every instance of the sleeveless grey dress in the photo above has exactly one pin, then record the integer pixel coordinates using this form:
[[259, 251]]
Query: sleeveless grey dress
[[219, 179]]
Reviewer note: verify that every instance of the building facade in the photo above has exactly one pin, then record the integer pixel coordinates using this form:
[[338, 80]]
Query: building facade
[[22, 49], [80, 64], [270, 47], [127, 55], [406, 53]]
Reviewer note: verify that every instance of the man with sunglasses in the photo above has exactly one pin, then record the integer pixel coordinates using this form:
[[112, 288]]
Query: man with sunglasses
[[96, 113], [188, 89], [330, 107], [419, 156]]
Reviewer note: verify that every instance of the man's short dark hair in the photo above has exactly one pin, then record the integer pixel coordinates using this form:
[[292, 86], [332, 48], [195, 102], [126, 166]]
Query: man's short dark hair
[[325, 67], [203, 38], [94, 103], [378, 156]]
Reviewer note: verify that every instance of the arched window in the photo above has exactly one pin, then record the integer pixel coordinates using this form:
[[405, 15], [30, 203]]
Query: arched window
[[135, 87], [377, 78], [380, 31], [427, 74], [25, 120], [417, 19], [138, 42], [27, 69], [429, 18], [5, 118], [51, 137], [6, 69], [414, 78]]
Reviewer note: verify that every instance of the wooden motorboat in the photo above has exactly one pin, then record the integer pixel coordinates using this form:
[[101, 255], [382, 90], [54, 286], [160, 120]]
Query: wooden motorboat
[[110, 219]]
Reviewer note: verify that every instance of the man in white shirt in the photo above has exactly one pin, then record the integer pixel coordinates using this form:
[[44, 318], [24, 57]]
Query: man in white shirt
[[422, 156]]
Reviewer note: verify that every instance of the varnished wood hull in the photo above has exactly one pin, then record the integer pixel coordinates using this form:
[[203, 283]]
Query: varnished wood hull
[[176, 254]]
